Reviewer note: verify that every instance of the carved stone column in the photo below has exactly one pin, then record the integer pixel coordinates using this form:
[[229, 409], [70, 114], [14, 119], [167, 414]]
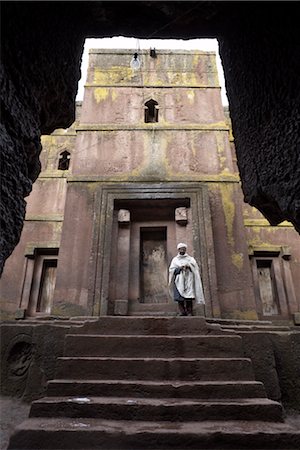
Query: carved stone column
[[123, 245]]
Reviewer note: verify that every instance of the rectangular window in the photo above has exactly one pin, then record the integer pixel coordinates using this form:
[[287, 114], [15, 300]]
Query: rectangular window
[[267, 287], [47, 285], [39, 282], [273, 286]]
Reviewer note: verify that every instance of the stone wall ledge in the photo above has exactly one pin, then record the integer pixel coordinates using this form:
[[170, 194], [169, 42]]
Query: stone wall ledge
[[128, 178], [219, 126]]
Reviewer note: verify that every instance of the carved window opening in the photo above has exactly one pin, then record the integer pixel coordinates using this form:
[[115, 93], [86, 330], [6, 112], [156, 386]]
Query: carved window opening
[[267, 287], [47, 285], [64, 160], [39, 281], [273, 284], [151, 111]]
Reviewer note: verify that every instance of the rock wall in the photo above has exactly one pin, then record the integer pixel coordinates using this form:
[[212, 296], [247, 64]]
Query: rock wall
[[39, 76]]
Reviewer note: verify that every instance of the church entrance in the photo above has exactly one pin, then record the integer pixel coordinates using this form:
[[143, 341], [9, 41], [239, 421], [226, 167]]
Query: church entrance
[[135, 238], [146, 233]]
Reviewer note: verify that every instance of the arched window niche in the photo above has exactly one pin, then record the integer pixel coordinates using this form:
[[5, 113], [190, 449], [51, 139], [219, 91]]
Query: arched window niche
[[151, 111], [64, 160]]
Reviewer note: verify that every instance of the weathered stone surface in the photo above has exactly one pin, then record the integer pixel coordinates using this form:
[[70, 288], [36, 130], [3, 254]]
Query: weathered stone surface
[[276, 362], [146, 394], [28, 358], [136, 435], [275, 354]]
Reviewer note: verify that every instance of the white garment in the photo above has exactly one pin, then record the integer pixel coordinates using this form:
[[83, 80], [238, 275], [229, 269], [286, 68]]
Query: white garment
[[188, 282]]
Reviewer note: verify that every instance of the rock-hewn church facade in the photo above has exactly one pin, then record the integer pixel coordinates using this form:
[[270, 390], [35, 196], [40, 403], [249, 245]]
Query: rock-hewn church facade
[[149, 162]]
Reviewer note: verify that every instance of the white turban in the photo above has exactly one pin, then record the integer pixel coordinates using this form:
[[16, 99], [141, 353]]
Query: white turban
[[180, 245]]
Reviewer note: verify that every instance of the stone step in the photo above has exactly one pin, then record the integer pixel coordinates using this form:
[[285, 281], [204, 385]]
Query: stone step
[[164, 369], [264, 328], [90, 434], [127, 408], [167, 306], [238, 321], [150, 313], [134, 382], [129, 325], [160, 389], [154, 346]]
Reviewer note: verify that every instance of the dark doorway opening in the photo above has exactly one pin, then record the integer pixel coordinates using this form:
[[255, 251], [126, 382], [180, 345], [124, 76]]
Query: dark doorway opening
[[153, 265]]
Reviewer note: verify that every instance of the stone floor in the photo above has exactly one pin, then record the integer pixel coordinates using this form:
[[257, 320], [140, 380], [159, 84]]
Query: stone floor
[[13, 411]]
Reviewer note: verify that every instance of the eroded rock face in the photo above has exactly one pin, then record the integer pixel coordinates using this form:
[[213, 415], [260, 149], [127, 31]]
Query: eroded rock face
[[39, 76], [263, 90], [42, 47]]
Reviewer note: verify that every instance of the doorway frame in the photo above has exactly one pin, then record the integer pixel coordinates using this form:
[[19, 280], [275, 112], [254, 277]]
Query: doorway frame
[[32, 283], [99, 269]]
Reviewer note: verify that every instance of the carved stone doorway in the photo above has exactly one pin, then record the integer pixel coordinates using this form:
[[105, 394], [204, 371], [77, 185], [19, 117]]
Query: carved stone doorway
[[138, 225], [144, 244], [39, 282]]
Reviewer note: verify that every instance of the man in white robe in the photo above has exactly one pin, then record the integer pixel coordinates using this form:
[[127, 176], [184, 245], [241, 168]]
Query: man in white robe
[[185, 282]]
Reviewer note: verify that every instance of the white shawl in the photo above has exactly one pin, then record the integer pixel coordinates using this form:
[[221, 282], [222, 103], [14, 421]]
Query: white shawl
[[188, 282]]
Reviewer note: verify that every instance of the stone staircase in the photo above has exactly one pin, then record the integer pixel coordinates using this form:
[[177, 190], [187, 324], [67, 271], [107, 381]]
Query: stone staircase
[[154, 383]]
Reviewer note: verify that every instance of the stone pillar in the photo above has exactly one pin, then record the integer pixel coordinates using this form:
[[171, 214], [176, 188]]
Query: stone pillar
[[123, 245], [280, 289], [181, 220], [288, 281], [24, 305], [35, 287]]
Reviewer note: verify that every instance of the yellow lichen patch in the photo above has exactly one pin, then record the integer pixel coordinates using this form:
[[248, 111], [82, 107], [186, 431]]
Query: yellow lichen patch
[[238, 260], [196, 60], [114, 94], [229, 210], [116, 75], [221, 151], [57, 229], [182, 79], [244, 315], [193, 148], [254, 241], [47, 140], [101, 94], [226, 173], [191, 96], [150, 80], [219, 126]]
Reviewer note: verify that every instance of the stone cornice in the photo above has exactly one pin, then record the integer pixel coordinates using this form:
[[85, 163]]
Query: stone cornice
[[127, 178], [153, 86], [44, 218], [219, 126]]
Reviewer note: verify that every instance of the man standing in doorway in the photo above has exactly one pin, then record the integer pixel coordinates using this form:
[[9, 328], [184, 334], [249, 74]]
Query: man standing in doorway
[[185, 282]]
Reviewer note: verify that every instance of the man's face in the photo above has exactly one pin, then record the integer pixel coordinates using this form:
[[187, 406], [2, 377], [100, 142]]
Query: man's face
[[182, 250]]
